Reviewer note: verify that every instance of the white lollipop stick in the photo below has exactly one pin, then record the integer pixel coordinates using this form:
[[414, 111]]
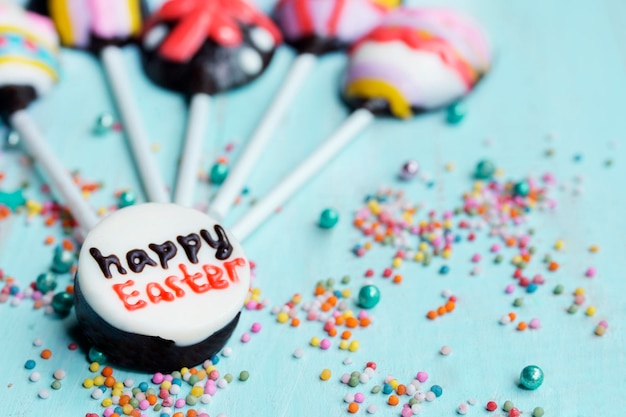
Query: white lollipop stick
[[239, 173], [113, 61], [56, 174], [351, 127], [199, 109]]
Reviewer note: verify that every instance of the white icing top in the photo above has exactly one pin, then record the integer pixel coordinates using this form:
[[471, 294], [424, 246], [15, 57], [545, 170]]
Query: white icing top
[[173, 272]]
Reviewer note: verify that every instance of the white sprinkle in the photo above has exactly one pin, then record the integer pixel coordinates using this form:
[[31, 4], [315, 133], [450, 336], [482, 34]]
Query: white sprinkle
[[430, 396], [364, 378], [96, 394], [445, 350], [34, 376], [129, 382], [227, 351], [205, 398], [298, 353], [472, 401], [37, 342], [174, 389], [59, 374], [347, 361], [44, 393], [262, 39], [416, 408], [222, 383], [462, 409], [348, 398], [250, 61], [371, 409]]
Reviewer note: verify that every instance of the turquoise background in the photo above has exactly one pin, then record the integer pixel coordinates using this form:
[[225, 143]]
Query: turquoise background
[[558, 82]]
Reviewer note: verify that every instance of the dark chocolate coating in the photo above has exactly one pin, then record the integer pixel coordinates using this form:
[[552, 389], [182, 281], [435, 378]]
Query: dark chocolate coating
[[213, 69], [317, 45], [145, 353], [15, 97], [96, 44], [379, 107]]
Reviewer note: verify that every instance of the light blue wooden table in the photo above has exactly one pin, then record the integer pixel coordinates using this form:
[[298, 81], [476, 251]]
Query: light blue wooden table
[[558, 82]]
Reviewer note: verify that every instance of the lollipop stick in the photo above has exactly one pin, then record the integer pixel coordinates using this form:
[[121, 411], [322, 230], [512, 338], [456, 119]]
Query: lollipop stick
[[239, 173], [199, 109], [58, 177], [113, 61], [261, 210]]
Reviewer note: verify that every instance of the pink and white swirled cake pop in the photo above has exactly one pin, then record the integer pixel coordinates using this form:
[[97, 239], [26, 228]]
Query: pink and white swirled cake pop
[[417, 60], [320, 26]]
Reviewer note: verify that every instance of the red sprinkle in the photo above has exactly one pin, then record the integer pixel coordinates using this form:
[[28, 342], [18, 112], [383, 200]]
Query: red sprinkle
[[492, 406]]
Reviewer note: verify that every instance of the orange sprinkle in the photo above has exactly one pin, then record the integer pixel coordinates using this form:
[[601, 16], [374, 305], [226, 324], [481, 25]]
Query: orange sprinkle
[[526, 257], [69, 289], [432, 314], [319, 290], [510, 242], [46, 354], [295, 322], [393, 400], [193, 371], [49, 221], [379, 237], [332, 332], [67, 244], [178, 414], [353, 408], [364, 322], [397, 279], [124, 399], [222, 160], [326, 306], [192, 413], [346, 334], [512, 316], [553, 266], [340, 320], [352, 322], [4, 211], [107, 371], [49, 240], [358, 222], [450, 306], [152, 399], [332, 300], [114, 415], [401, 390], [521, 326], [135, 413], [109, 381], [442, 310], [38, 304]]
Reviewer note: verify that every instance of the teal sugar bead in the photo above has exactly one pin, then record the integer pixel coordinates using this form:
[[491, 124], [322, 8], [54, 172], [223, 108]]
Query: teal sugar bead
[[531, 377], [46, 282], [455, 113], [369, 296], [329, 218], [484, 170], [96, 356], [104, 124], [218, 173], [521, 188], [62, 303], [62, 260], [127, 198]]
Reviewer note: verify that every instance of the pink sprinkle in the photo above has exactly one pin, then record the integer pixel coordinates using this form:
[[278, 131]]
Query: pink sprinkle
[[251, 305], [245, 338], [168, 377], [163, 393], [538, 279], [495, 248], [359, 397], [387, 272], [534, 324], [406, 412], [210, 389], [157, 378], [107, 412], [180, 403], [604, 324], [214, 374], [509, 289], [311, 316], [144, 404], [229, 146], [591, 272], [256, 327], [579, 300], [360, 252], [476, 257], [369, 273], [421, 376], [325, 344], [363, 314]]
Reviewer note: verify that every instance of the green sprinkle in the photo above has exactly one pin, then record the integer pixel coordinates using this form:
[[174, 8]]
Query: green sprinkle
[[547, 258], [56, 384], [330, 282], [134, 402], [176, 375], [532, 250], [413, 401], [355, 373], [376, 389], [538, 412], [507, 406], [518, 302], [345, 279], [498, 259], [191, 400], [558, 289], [572, 309], [354, 381], [157, 407], [244, 375], [136, 390], [228, 378], [150, 391]]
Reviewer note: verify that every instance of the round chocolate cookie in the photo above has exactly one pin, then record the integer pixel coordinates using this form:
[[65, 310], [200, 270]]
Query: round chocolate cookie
[[160, 286]]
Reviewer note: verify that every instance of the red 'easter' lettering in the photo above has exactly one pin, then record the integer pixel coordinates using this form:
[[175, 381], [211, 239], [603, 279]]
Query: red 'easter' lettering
[[157, 293], [191, 280], [214, 275], [119, 290], [231, 270], [171, 284]]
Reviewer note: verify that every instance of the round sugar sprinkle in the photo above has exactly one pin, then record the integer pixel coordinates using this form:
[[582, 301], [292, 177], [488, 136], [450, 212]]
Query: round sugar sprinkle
[[226, 352], [30, 364], [34, 376], [44, 393], [445, 350], [298, 353]]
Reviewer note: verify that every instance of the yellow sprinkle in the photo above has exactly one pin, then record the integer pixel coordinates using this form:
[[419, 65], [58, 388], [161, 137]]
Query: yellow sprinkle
[[325, 374], [516, 259], [155, 147], [396, 262], [346, 293], [107, 402], [116, 392], [197, 391], [354, 346], [343, 344], [594, 248], [394, 383], [296, 299], [282, 317], [88, 383], [118, 385], [101, 211], [558, 245], [166, 384], [256, 291], [94, 366], [127, 409], [498, 172], [478, 186], [450, 167], [446, 253], [591, 310], [98, 380], [210, 368], [33, 208], [348, 313], [579, 291], [447, 224], [374, 207], [423, 247], [367, 245], [600, 330], [419, 256], [315, 341], [184, 370]]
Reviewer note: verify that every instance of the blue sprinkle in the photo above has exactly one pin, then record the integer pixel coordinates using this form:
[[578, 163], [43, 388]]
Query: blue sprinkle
[[457, 239], [532, 287], [143, 386], [177, 381], [430, 184], [444, 269], [14, 289], [387, 389], [337, 294], [215, 359], [30, 364], [437, 390]]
